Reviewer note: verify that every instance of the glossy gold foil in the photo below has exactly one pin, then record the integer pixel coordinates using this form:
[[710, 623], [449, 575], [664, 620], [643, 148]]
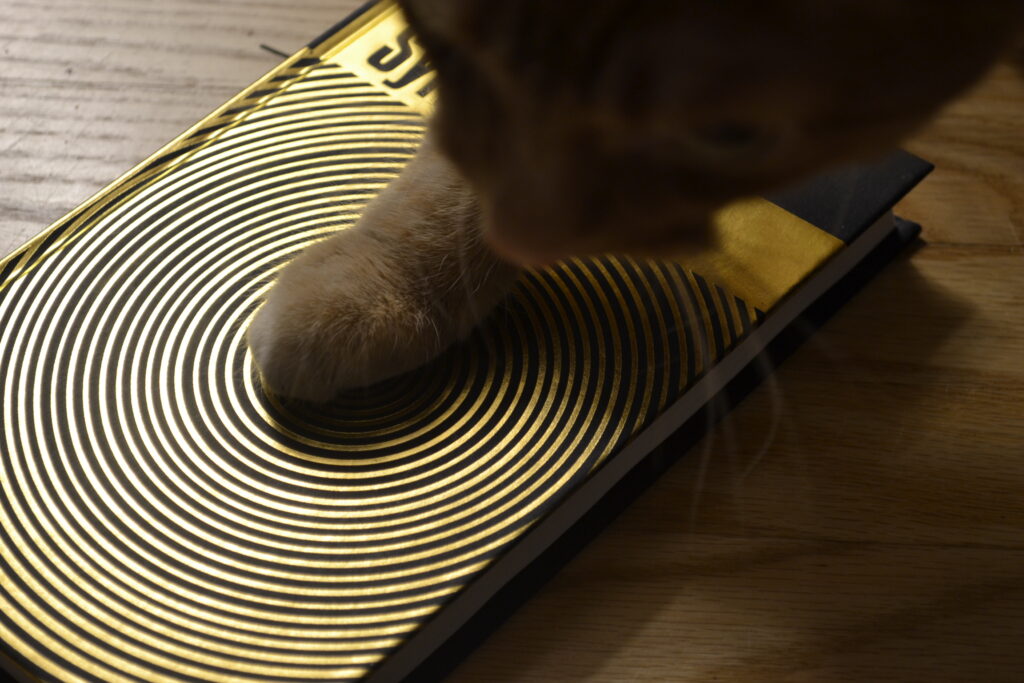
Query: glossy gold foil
[[163, 519]]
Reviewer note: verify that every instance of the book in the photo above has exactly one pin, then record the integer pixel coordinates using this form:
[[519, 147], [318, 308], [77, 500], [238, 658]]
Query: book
[[163, 519]]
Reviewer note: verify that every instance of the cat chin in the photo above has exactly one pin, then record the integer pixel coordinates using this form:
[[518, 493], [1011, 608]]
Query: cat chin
[[523, 257]]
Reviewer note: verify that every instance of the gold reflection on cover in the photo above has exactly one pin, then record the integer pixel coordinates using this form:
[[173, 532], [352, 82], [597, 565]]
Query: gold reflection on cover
[[162, 518]]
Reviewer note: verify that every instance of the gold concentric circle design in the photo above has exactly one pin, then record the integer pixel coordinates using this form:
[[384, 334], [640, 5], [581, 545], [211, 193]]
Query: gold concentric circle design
[[161, 518]]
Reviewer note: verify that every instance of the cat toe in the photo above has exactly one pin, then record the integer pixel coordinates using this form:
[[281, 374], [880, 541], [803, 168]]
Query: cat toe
[[282, 365], [318, 334]]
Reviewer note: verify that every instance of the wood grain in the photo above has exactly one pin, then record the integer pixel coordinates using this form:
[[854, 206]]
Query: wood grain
[[860, 517]]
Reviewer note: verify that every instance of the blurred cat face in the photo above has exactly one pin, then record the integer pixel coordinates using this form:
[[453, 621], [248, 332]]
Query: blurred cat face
[[620, 126]]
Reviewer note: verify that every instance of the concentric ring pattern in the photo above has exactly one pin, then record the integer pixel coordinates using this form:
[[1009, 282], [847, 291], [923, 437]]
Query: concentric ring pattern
[[162, 519]]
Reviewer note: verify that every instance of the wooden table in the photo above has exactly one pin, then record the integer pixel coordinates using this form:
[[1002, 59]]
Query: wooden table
[[860, 517]]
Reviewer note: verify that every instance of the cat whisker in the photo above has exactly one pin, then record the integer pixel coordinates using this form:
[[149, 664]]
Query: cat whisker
[[698, 485], [437, 331], [776, 405]]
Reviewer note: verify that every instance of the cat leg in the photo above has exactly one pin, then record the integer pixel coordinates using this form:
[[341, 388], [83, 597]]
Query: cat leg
[[410, 278]]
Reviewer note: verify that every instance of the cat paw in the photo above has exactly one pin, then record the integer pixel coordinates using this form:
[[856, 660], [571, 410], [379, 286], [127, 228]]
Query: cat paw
[[412, 277], [342, 315]]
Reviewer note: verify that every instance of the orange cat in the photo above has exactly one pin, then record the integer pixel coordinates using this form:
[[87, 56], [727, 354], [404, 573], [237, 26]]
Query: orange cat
[[568, 128]]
